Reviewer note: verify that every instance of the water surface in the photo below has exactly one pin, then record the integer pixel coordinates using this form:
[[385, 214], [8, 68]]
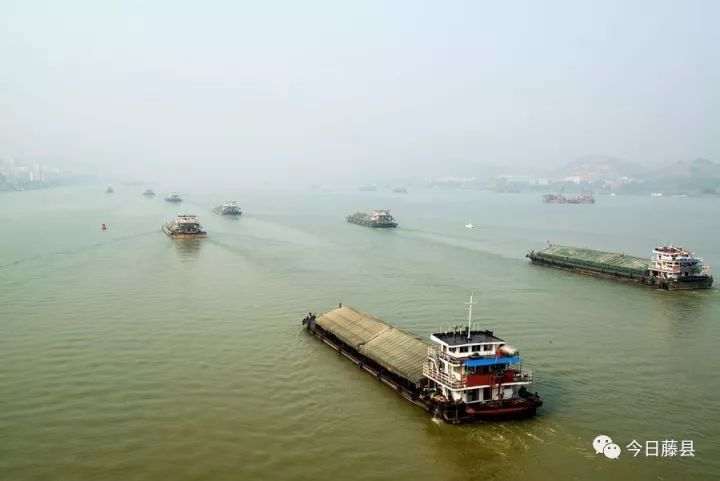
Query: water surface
[[126, 355]]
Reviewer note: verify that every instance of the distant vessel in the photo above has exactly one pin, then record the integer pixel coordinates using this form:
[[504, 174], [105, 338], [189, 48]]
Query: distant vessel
[[379, 218], [469, 225], [228, 208], [463, 375], [562, 199], [149, 193], [184, 227], [109, 190], [656, 194], [368, 188], [669, 267], [103, 226], [399, 190], [173, 197]]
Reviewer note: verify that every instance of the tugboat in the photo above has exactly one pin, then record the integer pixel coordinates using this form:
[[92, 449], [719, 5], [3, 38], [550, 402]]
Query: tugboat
[[380, 218], [109, 190], [149, 193], [184, 227], [228, 208], [467, 375], [173, 197]]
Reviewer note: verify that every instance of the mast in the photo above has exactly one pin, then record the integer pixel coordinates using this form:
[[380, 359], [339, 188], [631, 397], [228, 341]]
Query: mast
[[470, 304]]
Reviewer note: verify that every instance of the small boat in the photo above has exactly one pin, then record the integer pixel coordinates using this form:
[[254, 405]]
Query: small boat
[[469, 225], [228, 208], [109, 190], [173, 197], [656, 194], [184, 227], [149, 193], [103, 227], [399, 190]]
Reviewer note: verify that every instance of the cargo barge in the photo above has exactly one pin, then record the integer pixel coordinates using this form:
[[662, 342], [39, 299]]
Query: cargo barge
[[380, 218], [669, 267], [466, 375], [173, 197], [228, 208], [184, 227], [562, 199]]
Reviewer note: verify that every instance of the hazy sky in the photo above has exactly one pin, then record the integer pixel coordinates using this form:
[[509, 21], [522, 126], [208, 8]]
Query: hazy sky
[[308, 89]]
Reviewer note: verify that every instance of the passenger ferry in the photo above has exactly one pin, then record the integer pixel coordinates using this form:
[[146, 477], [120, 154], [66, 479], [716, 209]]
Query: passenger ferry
[[228, 208], [184, 227]]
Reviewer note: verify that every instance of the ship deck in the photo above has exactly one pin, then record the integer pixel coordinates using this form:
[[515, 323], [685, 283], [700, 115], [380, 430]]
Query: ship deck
[[594, 258], [394, 349]]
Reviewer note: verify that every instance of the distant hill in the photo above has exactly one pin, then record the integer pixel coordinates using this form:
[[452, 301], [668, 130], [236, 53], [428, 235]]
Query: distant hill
[[699, 176], [687, 169], [594, 168]]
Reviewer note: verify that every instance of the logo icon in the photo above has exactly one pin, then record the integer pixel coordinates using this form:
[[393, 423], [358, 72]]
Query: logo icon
[[600, 442], [611, 451], [604, 445]]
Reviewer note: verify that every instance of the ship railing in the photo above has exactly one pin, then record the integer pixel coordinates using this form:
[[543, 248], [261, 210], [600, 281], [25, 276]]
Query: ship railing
[[523, 376], [433, 353], [443, 377]]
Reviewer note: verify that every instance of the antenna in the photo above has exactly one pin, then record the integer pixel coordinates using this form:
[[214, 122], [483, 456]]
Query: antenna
[[470, 304]]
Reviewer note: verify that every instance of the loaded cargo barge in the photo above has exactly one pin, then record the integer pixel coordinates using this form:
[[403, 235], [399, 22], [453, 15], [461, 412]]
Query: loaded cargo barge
[[380, 218], [669, 267], [466, 376]]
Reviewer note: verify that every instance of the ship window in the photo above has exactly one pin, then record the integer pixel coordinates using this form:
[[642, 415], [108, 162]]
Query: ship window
[[473, 395], [463, 349]]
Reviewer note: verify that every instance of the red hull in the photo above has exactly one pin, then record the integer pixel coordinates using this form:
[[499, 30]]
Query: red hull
[[520, 410]]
